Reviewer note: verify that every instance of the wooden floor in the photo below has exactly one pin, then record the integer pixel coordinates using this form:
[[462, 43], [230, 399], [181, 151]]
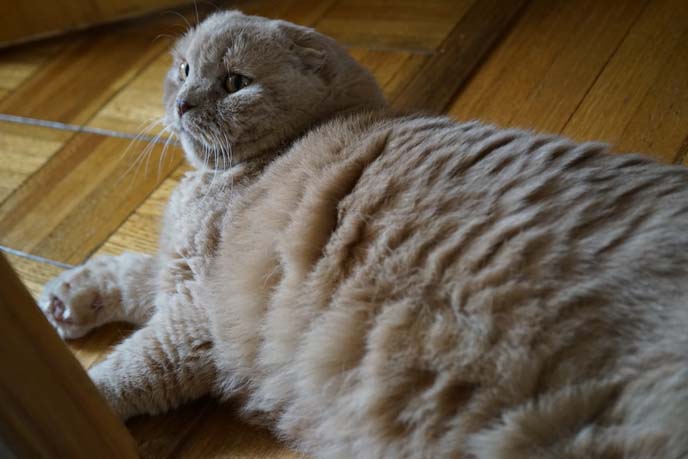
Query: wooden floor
[[70, 187]]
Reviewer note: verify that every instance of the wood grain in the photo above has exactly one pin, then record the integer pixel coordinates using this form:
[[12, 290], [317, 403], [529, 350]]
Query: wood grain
[[138, 104], [30, 19], [80, 196], [221, 433], [74, 84], [50, 406], [638, 101], [392, 69], [33, 274], [660, 123], [141, 230], [161, 436], [540, 73], [474, 34], [19, 63], [304, 12], [23, 151], [401, 25]]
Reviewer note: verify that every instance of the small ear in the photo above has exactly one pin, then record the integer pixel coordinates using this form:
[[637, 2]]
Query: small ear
[[308, 45]]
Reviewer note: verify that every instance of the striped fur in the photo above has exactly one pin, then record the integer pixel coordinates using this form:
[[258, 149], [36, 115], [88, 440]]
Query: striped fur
[[395, 287], [420, 288]]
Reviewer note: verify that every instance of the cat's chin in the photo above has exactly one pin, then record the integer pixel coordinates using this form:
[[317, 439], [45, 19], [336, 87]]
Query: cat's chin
[[203, 157]]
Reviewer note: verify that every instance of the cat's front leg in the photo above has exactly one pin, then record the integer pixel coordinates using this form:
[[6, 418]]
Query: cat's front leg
[[160, 366], [104, 289]]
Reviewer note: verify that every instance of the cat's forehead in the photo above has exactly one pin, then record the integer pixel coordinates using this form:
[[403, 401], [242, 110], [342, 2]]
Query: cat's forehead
[[227, 34]]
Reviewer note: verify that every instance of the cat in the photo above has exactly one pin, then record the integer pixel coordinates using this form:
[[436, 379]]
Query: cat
[[386, 285]]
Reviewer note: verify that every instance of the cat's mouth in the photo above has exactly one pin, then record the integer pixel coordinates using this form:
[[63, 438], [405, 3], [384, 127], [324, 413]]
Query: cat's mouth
[[204, 151], [203, 144]]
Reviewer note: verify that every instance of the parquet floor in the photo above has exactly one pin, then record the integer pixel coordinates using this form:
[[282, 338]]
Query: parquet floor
[[612, 70]]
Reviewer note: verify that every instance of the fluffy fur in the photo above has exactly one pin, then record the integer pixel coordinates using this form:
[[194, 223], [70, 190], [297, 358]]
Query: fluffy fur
[[385, 286]]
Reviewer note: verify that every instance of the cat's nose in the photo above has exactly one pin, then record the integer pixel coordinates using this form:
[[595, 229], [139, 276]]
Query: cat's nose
[[183, 106]]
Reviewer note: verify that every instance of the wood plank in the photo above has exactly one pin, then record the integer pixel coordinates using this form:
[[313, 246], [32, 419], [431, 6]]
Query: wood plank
[[660, 123], [221, 433], [471, 38], [50, 408], [304, 12], [34, 18], [639, 100], [71, 86], [23, 150], [141, 231], [31, 19], [138, 104], [403, 25], [19, 63], [81, 196], [33, 274], [408, 70], [392, 69], [539, 74], [161, 436]]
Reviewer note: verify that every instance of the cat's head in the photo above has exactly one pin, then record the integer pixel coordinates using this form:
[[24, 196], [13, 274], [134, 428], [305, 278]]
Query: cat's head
[[242, 86]]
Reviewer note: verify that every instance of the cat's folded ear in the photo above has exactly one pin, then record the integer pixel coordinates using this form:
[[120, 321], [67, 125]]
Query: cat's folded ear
[[310, 46]]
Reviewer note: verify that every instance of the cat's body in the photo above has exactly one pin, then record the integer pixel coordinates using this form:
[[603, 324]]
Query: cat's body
[[389, 296], [412, 287]]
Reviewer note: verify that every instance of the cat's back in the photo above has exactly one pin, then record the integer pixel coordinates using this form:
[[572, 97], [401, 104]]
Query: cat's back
[[415, 278]]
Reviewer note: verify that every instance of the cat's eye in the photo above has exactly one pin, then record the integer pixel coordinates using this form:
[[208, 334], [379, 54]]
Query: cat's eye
[[236, 82], [183, 70]]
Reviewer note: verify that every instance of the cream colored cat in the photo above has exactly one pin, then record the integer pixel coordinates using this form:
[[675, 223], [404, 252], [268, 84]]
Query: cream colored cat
[[385, 286]]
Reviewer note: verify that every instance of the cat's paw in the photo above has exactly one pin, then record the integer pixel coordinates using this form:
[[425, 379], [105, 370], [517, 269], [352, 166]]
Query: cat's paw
[[73, 302]]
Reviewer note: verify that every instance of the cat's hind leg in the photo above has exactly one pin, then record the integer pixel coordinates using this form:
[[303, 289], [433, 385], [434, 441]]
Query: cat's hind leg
[[160, 366], [104, 289]]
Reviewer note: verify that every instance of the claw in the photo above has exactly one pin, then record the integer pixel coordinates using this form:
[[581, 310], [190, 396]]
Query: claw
[[58, 311], [55, 306]]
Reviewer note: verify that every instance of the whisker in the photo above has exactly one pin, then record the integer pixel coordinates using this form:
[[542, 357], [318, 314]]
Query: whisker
[[135, 141], [145, 153], [164, 35], [163, 153], [210, 185], [227, 157], [149, 150], [176, 13], [147, 126], [216, 156], [136, 163]]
